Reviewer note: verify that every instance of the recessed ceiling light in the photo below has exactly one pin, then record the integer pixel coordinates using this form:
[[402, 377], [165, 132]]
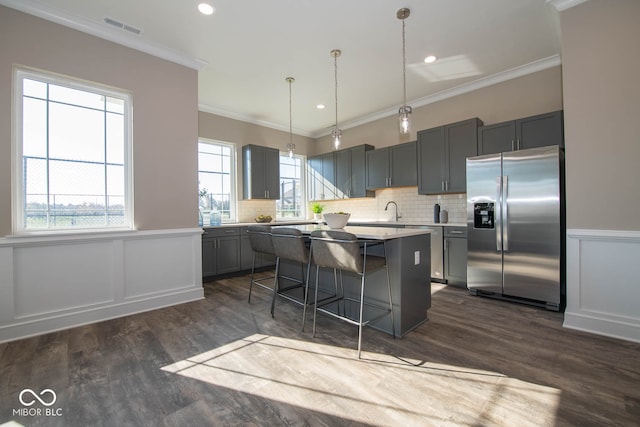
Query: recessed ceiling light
[[206, 8], [320, 106], [429, 59]]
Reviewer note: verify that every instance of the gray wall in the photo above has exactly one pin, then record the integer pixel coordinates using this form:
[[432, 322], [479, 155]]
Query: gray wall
[[165, 105], [601, 67]]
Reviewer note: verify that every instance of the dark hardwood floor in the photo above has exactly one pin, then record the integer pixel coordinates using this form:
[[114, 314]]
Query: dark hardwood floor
[[222, 361]]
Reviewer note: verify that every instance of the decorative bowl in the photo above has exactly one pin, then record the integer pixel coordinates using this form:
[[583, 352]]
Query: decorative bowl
[[336, 220], [263, 218]]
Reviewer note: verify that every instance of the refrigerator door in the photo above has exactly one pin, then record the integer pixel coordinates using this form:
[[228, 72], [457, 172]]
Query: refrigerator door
[[484, 262], [531, 224]]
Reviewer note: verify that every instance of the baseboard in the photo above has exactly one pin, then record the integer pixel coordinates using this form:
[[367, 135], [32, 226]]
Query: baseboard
[[20, 330]]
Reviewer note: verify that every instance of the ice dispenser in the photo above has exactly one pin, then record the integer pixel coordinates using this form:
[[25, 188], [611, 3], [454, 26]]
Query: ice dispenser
[[483, 215]]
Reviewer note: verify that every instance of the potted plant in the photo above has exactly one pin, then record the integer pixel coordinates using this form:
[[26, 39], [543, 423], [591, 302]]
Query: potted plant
[[317, 209]]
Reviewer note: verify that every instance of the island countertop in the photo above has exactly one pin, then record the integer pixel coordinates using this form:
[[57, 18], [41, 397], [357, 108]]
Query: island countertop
[[363, 232]]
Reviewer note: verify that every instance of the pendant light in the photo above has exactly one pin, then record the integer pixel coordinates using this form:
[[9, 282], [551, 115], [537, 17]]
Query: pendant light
[[290, 146], [336, 134], [404, 113]]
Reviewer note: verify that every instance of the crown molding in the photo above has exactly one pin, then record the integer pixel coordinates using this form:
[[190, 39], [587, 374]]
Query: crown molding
[[561, 5], [532, 67], [99, 30], [252, 120]]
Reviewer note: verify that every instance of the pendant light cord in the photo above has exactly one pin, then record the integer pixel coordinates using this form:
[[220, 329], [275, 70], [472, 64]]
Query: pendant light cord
[[404, 68], [290, 116], [335, 71]]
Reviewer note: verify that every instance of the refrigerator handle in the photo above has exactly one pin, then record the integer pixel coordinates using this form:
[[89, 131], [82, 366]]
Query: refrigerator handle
[[505, 211], [498, 213]]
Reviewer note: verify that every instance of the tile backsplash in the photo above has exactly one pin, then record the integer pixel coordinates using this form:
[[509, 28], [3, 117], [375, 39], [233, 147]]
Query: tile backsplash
[[411, 205]]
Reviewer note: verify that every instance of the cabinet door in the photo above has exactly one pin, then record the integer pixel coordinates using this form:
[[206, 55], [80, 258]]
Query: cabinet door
[[497, 138], [461, 142], [430, 161], [228, 255], [208, 257], [271, 159], [329, 176], [343, 174], [403, 165], [246, 253], [314, 177], [377, 168], [455, 260], [540, 131], [358, 172]]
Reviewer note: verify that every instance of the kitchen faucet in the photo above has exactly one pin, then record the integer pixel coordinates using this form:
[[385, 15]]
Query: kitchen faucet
[[396, 205]]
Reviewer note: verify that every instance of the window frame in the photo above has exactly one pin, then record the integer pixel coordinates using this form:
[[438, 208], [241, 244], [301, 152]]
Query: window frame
[[303, 189], [233, 196], [20, 73]]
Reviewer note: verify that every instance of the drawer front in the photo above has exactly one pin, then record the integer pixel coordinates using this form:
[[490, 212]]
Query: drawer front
[[221, 232], [455, 232]]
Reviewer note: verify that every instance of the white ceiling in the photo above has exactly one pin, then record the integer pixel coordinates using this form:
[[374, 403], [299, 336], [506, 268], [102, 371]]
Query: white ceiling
[[247, 48]]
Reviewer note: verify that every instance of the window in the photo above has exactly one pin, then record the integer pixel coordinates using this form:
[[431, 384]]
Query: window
[[72, 156], [291, 203], [216, 178]]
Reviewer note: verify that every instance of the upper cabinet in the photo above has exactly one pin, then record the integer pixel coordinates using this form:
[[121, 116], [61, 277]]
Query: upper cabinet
[[338, 174], [261, 172], [442, 153], [530, 132], [321, 177], [393, 166], [351, 172]]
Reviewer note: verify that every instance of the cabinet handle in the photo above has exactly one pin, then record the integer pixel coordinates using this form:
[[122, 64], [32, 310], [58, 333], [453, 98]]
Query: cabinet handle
[[389, 181], [455, 232], [518, 143], [442, 185], [513, 146]]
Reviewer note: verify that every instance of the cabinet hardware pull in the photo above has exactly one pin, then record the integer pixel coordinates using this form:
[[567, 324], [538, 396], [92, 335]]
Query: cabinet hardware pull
[[513, 146]]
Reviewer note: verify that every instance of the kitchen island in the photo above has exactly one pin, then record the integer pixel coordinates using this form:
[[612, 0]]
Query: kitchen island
[[408, 258]]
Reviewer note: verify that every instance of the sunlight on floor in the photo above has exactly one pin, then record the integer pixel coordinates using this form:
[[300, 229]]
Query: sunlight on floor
[[332, 380]]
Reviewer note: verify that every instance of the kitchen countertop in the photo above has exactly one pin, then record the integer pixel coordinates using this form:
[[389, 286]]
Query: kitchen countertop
[[354, 222], [377, 233]]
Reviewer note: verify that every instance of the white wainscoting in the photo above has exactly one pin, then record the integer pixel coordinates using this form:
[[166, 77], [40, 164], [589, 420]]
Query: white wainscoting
[[603, 282], [49, 283]]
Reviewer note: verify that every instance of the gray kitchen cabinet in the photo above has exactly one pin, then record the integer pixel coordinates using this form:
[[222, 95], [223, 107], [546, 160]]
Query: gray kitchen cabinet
[[442, 154], [321, 177], [530, 132], [393, 166], [261, 172], [220, 251], [350, 167], [455, 256]]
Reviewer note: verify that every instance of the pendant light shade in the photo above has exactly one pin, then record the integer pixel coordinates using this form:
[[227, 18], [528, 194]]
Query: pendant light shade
[[291, 147], [336, 134], [404, 113]]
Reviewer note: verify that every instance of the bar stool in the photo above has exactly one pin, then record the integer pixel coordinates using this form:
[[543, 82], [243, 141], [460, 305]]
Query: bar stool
[[289, 244], [340, 250], [260, 241]]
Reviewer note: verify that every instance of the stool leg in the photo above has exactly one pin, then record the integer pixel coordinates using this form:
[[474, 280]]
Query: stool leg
[[306, 293], [276, 287], [253, 268], [361, 314], [393, 328], [315, 303]]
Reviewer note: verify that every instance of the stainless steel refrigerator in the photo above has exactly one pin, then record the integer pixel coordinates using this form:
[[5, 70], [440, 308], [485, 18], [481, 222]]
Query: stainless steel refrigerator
[[515, 224]]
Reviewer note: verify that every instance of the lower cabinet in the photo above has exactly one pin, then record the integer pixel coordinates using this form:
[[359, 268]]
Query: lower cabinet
[[220, 251], [455, 256]]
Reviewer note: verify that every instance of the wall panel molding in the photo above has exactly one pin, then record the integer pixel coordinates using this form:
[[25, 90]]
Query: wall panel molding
[[603, 282], [49, 283]]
